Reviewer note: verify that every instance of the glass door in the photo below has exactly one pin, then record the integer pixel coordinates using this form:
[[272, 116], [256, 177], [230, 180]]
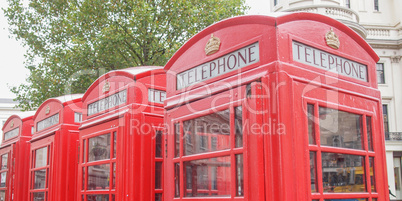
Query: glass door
[[41, 157], [98, 166], [209, 148]]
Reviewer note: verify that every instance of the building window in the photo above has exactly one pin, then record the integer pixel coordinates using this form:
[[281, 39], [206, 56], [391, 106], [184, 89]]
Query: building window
[[276, 2], [376, 8], [347, 3], [385, 116], [380, 73]]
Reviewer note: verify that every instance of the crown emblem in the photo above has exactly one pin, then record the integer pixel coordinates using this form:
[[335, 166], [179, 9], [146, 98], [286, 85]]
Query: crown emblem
[[212, 45], [106, 87], [12, 124], [332, 39], [47, 109]]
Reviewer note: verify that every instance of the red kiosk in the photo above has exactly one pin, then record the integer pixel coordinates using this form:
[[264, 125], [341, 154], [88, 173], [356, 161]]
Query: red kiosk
[[121, 140], [54, 149], [278, 108], [14, 153]]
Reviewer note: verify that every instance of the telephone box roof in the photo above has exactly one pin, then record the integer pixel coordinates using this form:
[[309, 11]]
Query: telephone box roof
[[134, 73], [20, 115], [274, 19]]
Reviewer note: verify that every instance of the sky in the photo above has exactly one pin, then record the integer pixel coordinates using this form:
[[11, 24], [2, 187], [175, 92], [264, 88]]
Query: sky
[[12, 70]]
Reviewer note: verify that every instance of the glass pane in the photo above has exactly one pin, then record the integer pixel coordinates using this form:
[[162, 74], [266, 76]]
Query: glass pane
[[369, 134], [343, 173], [198, 133], [158, 144], [313, 172], [239, 126], [38, 196], [40, 179], [84, 155], [372, 174], [3, 179], [310, 124], [83, 178], [41, 157], [158, 175], [340, 129], [177, 140], [99, 147], [239, 175], [4, 159], [97, 197], [98, 177], [2, 195], [177, 180], [113, 197], [203, 175], [158, 197], [114, 144], [114, 176]]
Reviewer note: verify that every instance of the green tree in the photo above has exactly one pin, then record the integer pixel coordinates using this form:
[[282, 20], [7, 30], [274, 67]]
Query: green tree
[[72, 42]]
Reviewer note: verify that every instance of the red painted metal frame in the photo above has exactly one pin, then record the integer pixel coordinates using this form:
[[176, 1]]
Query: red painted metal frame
[[61, 138], [281, 88], [17, 149], [135, 122]]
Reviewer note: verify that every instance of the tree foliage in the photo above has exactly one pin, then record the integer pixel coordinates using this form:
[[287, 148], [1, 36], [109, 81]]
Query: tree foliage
[[71, 42]]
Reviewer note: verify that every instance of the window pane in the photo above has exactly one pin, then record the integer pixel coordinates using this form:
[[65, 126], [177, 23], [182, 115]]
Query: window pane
[[343, 173], [83, 178], [97, 197], [372, 174], [310, 122], [380, 73], [3, 179], [177, 140], [99, 148], [340, 129], [2, 195], [38, 196], [84, 155], [369, 134], [198, 133], [177, 180], [239, 175], [158, 175], [203, 175], [114, 176], [158, 197], [114, 144], [313, 172], [41, 157], [4, 159], [40, 179], [239, 126], [158, 144], [385, 117], [98, 177]]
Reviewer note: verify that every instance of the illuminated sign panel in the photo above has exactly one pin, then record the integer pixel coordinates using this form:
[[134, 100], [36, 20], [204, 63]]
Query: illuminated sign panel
[[320, 59], [50, 121], [107, 103], [12, 134], [156, 96], [230, 62]]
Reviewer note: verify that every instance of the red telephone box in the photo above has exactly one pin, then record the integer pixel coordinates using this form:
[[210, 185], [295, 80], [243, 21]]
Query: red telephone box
[[54, 149], [14, 153], [121, 138], [278, 108]]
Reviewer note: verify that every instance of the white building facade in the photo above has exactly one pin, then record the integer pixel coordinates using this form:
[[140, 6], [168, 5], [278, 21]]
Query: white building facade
[[380, 23]]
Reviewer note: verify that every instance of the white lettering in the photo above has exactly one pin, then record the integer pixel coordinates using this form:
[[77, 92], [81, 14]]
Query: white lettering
[[230, 62], [320, 59]]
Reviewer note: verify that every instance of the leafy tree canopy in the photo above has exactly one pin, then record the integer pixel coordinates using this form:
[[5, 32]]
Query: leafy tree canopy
[[72, 42]]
